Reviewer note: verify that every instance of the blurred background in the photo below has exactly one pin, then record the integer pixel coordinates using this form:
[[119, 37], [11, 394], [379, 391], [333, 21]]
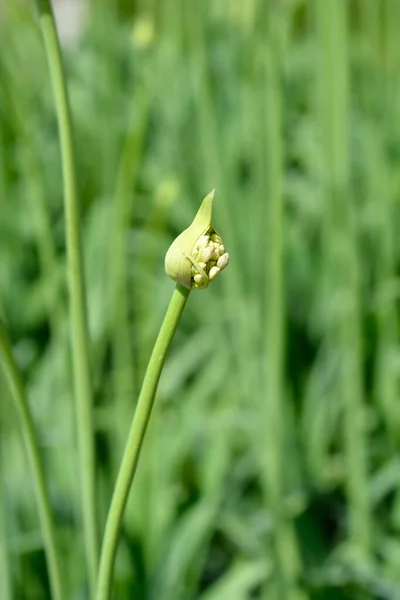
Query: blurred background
[[271, 469]]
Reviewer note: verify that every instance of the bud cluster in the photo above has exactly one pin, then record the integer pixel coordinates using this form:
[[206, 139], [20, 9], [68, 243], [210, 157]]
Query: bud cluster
[[209, 259]]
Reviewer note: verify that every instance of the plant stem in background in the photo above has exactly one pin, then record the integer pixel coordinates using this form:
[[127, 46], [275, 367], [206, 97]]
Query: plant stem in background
[[339, 239], [135, 441], [388, 330], [119, 258], [76, 281], [378, 185], [14, 380], [287, 562]]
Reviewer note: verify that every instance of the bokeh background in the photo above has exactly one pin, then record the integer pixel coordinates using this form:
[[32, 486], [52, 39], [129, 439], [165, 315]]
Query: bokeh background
[[271, 469]]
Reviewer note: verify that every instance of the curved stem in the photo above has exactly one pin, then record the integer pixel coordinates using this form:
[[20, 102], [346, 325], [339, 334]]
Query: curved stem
[[76, 281], [135, 441], [14, 380]]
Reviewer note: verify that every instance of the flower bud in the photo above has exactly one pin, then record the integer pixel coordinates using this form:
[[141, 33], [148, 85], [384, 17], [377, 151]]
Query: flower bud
[[215, 254], [214, 237], [223, 261], [214, 271], [196, 257]]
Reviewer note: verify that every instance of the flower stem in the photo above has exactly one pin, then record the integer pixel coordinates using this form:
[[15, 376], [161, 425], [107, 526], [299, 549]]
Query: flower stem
[[135, 441], [15, 383], [76, 282]]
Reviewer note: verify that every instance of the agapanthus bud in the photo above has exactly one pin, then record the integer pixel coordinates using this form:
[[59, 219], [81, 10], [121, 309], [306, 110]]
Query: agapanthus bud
[[197, 256]]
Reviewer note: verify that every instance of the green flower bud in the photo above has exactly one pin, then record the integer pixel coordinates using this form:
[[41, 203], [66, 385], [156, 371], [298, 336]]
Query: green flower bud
[[192, 258], [214, 237]]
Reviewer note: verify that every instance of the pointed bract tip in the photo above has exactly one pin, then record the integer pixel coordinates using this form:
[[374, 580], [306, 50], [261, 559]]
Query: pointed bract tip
[[210, 196]]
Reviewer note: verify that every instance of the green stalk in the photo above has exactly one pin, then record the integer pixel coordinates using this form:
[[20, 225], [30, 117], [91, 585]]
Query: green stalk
[[286, 555], [387, 312], [14, 379], [344, 331], [76, 281], [135, 441], [119, 258], [378, 185]]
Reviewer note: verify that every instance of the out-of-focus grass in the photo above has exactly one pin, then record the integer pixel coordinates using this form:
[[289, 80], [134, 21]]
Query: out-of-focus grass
[[272, 466]]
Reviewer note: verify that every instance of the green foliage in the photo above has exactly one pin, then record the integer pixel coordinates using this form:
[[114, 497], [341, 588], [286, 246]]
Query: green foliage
[[271, 467]]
